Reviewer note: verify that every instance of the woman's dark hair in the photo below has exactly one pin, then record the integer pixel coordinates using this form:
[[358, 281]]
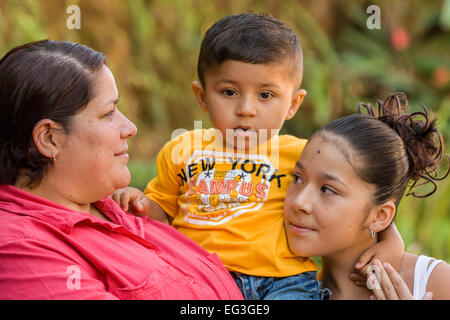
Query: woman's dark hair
[[250, 38], [40, 80], [390, 148]]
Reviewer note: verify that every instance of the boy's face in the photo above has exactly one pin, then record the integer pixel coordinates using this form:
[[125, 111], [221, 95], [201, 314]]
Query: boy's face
[[249, 102]]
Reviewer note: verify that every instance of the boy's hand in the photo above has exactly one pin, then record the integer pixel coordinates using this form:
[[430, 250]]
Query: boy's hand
[[390, 248], [362, 265], [132, 200]]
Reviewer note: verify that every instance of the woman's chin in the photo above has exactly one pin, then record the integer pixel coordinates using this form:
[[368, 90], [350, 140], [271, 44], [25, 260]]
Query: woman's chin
[[124, 180]]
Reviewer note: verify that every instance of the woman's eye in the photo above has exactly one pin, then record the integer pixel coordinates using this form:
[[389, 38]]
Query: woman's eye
[[229, 92], [110, 114], [266, 95]]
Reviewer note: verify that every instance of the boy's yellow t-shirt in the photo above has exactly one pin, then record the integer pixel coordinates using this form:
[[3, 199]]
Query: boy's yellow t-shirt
[[231, 203]]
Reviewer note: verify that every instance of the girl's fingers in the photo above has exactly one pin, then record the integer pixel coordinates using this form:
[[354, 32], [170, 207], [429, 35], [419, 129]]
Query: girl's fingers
[[428, 296], [398, 283], [386, 284], [374, 285]]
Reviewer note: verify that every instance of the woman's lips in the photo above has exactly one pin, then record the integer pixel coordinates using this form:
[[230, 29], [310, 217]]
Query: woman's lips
[[123, 154]]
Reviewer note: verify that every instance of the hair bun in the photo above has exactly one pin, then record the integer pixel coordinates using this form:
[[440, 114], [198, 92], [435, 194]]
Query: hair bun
[[422, 140]]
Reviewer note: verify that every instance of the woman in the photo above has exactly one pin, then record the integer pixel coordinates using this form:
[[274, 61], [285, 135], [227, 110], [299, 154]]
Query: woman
[[347, 186], [63, 150]]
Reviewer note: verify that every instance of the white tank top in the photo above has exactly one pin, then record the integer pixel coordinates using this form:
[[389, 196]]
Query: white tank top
[[421, 275]]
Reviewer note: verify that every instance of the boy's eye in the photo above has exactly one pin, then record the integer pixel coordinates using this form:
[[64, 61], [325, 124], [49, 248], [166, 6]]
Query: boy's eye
[[229, 92], [266, 95]]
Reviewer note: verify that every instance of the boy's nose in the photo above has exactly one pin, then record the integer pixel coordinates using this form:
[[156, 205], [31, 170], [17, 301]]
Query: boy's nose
[[246, 108]]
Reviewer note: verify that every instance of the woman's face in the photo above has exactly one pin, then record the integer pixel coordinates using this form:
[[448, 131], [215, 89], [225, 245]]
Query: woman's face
[[327, 203], [94, 155]]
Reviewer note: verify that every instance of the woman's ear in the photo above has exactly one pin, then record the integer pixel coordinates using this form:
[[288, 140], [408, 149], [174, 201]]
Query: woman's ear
[[199, 93], [382, 216], [46, 137], [296, 101]]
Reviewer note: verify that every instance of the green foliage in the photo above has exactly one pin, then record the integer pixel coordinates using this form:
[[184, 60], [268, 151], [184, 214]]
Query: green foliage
[[152, 48]]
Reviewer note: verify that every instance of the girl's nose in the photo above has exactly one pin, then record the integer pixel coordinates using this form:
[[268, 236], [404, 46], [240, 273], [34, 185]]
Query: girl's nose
[[303, 201]]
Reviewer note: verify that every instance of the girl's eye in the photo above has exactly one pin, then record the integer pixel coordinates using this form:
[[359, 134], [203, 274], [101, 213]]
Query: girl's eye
[[298, 179], [229, 92], [328, 190], [266, 95]]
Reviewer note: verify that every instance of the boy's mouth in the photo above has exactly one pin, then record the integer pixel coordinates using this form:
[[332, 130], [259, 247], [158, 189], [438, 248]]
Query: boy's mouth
[[244, 131]]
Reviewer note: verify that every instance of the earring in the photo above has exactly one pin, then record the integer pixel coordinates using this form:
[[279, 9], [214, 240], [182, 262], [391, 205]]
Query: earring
[[371, 234]]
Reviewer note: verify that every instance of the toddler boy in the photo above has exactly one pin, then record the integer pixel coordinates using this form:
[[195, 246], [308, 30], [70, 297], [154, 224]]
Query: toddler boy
[[224, 187]]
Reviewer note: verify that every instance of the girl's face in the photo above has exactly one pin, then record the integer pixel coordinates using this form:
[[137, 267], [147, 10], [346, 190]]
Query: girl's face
[[327, 204]]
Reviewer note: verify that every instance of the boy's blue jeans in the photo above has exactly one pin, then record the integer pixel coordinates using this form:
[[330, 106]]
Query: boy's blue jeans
[[302, 286]]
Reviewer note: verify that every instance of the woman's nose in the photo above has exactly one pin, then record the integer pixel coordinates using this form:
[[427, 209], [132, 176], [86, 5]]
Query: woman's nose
[[128, 128]]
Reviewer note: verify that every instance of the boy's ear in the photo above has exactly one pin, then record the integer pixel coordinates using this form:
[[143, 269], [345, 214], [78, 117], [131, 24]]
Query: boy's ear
[[382, 216], [296, 101], [199, 93]]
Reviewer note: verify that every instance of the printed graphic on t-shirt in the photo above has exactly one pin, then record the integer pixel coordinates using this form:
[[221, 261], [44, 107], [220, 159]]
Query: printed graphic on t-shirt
[[223, 186]]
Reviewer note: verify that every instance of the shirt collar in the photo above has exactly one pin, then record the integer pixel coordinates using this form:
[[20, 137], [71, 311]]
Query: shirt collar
[[17, 201]]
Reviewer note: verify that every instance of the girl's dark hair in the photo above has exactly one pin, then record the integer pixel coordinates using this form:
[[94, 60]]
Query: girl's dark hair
[[250, 38], [40, 80], [391, 147]]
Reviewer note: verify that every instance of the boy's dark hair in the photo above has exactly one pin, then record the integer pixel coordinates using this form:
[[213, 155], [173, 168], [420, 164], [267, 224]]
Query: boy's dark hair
[[250, 38], [391, 147], [40, 80]]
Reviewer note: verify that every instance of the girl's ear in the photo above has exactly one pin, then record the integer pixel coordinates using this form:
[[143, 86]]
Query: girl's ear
[[382, 216], [199, 93], [296, 101]]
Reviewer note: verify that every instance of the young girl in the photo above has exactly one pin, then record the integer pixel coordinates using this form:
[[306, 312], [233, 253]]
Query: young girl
[[347, 186]]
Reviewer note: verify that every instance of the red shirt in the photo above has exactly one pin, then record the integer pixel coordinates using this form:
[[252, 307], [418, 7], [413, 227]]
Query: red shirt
[[48, 251]]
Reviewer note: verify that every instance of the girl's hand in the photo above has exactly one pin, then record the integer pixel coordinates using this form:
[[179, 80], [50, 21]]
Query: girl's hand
[[387, 284]]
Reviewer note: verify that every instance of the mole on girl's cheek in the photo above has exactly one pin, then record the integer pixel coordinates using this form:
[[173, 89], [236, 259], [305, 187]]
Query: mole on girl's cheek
[[318, 151]]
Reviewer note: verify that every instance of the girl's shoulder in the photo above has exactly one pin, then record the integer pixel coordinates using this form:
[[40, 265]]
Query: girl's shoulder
[[407, 267], [438, 282]]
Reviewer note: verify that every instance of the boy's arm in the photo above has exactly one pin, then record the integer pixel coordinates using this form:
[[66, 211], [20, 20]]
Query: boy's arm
[[157, 213], [389, 248], [134, 201]]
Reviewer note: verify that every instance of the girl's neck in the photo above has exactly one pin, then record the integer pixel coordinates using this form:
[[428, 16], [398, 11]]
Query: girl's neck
[[336, 269]]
